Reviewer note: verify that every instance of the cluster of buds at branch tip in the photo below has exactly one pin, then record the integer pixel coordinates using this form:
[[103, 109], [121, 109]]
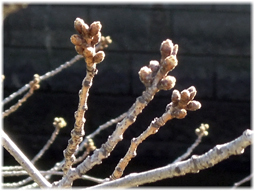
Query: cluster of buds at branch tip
[[181, 102], [160, 69], [202, 130], [59, 122], [35, 83], [89, 145], [86, 40]]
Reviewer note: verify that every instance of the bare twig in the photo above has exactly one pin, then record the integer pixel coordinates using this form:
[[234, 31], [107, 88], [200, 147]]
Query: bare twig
[[246, 179], [105, 41], [33, 85], [192, 165], [43, 77], [201, 132], [101, 128], [17, 184], [56, 173], [58, 123], [106, 125], [10, 146]]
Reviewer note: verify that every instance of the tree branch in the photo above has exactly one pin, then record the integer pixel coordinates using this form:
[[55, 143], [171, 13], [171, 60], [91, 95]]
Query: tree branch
[[11, 147], [192, 165]]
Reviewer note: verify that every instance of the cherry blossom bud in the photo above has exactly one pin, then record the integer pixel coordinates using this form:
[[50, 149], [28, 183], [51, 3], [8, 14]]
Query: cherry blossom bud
[[166, 48], [169, 63], [179, 114], [76, 39], [79, 50], [154, 66], [81, 26], [185, 97], [94, 28], [96, 39], [99, 57], [36, 78], [166, 83], [175, 50], [192, 90], [145, 75], [88, 54], [193, 105], [176, 96]]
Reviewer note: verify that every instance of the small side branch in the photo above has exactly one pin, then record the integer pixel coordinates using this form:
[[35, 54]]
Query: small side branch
[[201, 132], [105, 41], [58, 123], [33, 85], [246, 179], [180, 107]]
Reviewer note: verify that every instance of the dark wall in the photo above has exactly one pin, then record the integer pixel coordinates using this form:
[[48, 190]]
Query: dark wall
[[214, 56]]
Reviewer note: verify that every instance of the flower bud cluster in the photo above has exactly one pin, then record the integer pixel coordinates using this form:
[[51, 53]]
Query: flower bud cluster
[[89, 145], [59, 122], [160, 69], [183, 101], [34, 85], [86, 40], [202, 130]]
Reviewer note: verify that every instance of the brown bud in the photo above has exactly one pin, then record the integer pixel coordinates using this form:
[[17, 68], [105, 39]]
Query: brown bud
[[175, 50], [179, 113], [154, 66], [96, 39], [145, 75], [192, 90], [81, 26], [166, 83], [185, 96], [88, 54], [166, 48], [94, 28], [176, 96], [36, 78], [76, 39], [79, 50], [193, 105], [36, 86], [99, 57], [169, 63]]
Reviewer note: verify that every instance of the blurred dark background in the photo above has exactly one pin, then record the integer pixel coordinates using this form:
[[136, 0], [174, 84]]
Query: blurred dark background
[[214, 55]]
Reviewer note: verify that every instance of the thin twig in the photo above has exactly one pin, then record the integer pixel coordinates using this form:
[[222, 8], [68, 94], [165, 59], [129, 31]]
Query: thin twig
[[246, 179], [201, 132], [33, 85], [105, 41], [43, 77], [10, 146], [106, 125], [101, 128], [56, 173], [189, 150]]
